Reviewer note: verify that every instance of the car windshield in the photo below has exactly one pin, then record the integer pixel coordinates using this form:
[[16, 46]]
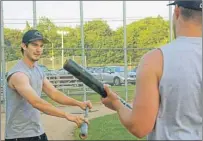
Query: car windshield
[[117, 69]]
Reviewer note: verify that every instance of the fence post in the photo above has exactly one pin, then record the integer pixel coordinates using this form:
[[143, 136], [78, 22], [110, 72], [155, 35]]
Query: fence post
[[82, 44], [125, 50]]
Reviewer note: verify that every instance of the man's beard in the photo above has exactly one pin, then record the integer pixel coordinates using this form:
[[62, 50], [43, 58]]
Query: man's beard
[[32, 59]]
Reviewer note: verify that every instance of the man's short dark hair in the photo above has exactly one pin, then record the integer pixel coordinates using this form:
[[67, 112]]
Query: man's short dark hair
[[22, 51], [190, 14]]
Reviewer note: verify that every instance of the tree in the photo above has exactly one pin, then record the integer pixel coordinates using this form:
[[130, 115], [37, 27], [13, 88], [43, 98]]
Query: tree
[[98, 35], [13, 39], [100, 40], [143, 35]]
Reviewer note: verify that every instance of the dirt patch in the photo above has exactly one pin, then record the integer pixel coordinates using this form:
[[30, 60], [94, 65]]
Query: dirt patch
[[61, 129]]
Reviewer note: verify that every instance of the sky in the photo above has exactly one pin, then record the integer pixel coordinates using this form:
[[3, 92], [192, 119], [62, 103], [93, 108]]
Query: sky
[[67, 13]]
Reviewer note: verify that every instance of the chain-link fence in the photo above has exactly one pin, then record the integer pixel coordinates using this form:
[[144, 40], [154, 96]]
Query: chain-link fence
[[104, 49], [105, 64]]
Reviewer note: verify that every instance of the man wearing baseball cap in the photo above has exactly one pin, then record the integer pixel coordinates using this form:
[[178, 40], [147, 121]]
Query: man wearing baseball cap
[[33, 35], [25, 83], [168, 101]]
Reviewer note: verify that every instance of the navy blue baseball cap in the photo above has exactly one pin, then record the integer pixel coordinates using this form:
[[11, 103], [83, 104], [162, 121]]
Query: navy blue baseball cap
[[33, 35], [193, 4]]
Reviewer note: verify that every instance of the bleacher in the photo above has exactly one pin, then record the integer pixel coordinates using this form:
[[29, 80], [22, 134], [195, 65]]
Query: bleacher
[[65, 83], [69, 83]]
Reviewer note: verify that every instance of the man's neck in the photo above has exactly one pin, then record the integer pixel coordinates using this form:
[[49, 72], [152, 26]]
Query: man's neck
[[190, 31], [29, 63]]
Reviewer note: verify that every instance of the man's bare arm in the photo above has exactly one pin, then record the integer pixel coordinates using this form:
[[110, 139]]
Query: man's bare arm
[[59, 97], [141, 119], [20, 83]]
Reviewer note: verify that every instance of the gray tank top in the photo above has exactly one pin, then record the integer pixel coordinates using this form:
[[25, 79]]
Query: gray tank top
[[22, 120], [180, 113]]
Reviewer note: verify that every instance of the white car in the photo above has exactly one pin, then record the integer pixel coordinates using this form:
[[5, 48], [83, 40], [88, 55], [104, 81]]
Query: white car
[[113, 75]]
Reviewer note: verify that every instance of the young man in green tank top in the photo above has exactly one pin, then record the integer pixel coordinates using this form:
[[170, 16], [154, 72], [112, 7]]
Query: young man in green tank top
[[25, 82], [168, 102]]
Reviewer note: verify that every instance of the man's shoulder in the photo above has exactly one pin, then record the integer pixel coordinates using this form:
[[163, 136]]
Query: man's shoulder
[[152, 58], [152, 55], [17, 68], [19, 75], [16, 65], [169, 44], [156, 52], [13, 68]]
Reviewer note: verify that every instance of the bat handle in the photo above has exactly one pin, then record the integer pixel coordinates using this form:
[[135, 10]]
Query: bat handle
[[125, 103], [84, 127]]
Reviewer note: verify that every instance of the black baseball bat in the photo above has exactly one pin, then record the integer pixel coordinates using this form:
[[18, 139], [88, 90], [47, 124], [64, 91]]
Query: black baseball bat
[[83, 75]]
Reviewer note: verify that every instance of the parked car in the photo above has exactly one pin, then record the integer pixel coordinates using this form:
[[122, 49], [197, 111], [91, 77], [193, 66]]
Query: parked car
[[113, 75], [90, 69], [62, 71], [132, 74]]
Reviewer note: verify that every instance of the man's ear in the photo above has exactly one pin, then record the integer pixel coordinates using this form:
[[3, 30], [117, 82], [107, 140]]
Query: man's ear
[[176, 12], [23, 46]]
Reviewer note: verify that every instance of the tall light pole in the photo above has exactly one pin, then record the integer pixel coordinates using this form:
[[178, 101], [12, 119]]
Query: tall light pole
[[82, 43], [62, 33], [34, 15]]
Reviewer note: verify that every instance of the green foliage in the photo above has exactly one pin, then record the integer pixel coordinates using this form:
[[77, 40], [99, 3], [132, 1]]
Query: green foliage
[[147, 33], [99, 40], [12, 38]]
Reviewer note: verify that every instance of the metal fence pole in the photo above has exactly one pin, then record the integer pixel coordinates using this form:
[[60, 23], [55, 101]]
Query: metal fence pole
[[62, 46], [125, 49], [1, 47], [82, 44], [171, 22], [34, 15], [3, 64], [52, 53]]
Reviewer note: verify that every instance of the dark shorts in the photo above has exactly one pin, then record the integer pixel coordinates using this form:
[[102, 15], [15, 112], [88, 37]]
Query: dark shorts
[[42, 137]]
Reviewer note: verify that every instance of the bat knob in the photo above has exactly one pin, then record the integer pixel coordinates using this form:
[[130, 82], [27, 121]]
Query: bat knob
[[82, 136], [83, 131]]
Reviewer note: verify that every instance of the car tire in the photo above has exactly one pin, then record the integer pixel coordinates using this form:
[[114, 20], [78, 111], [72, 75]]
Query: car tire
[[117, 81]]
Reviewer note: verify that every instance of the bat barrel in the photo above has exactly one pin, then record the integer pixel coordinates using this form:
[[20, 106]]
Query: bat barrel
[[84, 76], [80, 73]]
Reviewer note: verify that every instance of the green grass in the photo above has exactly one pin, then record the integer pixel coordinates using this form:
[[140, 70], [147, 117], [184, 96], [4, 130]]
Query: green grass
[[106, 128], [95, 98]]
